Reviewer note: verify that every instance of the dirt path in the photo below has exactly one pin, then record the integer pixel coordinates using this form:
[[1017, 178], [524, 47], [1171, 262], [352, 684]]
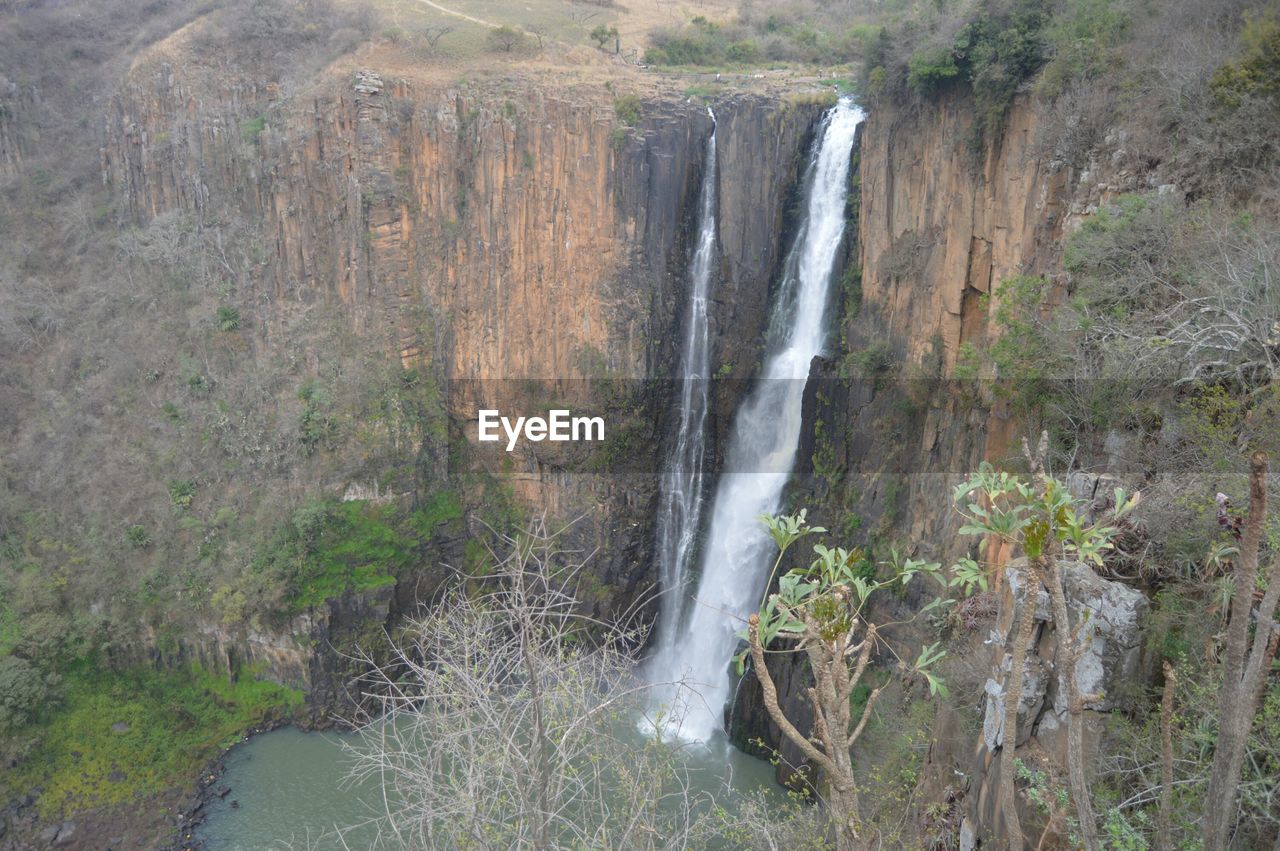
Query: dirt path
[[455, 13]]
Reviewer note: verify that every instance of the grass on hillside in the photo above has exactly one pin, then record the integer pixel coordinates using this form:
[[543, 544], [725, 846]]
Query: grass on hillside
[[166, 724]]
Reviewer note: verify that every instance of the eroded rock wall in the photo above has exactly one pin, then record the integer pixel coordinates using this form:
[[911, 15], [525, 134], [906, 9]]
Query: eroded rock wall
[[484, 233]]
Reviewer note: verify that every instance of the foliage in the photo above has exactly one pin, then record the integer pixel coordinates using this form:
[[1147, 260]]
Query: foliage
[[315, 426], [228, 319], [171, 721], [992, 49], [1256, 74], [876, 362], [505, 39], [331, 548], [182, 493], [251, 128], [441, 510], [627, 108], [138, 536], [1130, 773], [823, 610], [1036, 517], [25, 691], [1083, 40], [931, 67], [603, 33]]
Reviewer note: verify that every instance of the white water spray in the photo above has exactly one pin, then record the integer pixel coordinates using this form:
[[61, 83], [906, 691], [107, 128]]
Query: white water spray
[[762, 448]]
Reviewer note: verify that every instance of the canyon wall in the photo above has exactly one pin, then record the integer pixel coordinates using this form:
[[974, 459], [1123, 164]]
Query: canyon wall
[[486, 234], [889, 429]]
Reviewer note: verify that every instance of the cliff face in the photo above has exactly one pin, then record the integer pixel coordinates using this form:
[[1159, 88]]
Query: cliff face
[[938, 231], [889, 431], [530, 223], [478, 232]]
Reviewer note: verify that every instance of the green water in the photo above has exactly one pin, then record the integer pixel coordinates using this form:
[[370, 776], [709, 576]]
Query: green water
[[292, 792]]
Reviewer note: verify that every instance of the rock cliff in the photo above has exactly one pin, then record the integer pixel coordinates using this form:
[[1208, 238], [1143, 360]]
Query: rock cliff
[[487, 234], [889, 428]]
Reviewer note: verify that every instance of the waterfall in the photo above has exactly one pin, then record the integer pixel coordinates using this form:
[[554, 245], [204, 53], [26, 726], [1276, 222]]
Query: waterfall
[[762, 449], [680, 491]]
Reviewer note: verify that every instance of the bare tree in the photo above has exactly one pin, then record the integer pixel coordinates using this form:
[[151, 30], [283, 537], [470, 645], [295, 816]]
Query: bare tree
[[507, 720], [538, 31], [582, 16], [1246, 660], [432, 35]]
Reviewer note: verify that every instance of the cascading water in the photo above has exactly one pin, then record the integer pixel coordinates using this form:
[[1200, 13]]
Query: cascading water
[[762, 449], [681, 498]]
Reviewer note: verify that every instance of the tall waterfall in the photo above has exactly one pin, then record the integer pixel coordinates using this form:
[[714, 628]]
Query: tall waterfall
[[762, 447], [681, 497]]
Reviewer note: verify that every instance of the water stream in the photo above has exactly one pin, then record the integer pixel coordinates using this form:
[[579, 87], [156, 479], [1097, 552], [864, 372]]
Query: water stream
[[762, 447], [681, 490]]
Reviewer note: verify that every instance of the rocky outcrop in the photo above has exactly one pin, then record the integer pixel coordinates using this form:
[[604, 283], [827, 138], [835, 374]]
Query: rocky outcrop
[[1112, 667], [316, 652]]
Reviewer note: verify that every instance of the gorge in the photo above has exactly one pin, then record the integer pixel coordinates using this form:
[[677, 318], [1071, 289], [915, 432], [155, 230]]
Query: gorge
[[287, 287]]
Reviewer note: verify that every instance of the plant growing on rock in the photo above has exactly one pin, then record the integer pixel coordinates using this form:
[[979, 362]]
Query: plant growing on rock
[[824, 609], [1042, 518]]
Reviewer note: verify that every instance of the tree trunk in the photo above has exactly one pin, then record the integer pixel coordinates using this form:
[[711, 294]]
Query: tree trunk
[[1012, 697], [1070, 648], [1164, 841], [1241, 684]]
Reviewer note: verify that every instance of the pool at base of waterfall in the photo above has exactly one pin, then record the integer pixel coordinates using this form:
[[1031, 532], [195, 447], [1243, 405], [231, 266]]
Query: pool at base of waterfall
[[290, 790]]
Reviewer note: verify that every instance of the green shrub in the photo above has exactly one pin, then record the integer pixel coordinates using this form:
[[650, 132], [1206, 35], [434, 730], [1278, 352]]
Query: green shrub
[[316, 428], [627, 108], [603, 34], [138, 536], [874, 362], [929, 68], [251, 128], [228, 319], [1257, 73], [743, 51], [1081, 41], [329, 548], [25, 692], [181, 493]]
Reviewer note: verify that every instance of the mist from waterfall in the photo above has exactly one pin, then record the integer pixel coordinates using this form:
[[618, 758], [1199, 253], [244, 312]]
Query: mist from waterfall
[[696, 645]]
